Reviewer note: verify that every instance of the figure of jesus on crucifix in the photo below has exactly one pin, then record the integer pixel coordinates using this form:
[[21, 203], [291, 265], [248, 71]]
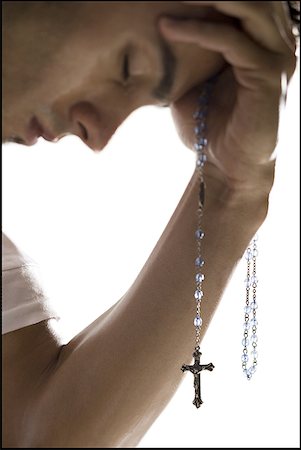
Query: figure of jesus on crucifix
[[196, 368]]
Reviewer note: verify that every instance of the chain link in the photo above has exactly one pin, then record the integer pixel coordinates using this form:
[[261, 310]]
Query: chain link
[[251, 282], [201, 143]]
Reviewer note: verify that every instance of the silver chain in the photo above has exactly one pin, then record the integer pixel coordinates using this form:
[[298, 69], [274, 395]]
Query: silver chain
[[200, 147], [250, 311]]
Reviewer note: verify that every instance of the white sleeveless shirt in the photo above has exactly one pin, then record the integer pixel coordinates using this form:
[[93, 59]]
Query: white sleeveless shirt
[[24, 302]]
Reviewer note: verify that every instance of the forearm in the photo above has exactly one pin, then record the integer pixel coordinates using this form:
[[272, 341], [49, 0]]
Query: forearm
[[151, 331], [135, 353], [160, 307], [163, 291]]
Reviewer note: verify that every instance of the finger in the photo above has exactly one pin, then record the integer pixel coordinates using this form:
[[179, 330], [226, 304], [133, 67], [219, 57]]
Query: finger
[[263, 21], [250, 62], [283, 21]]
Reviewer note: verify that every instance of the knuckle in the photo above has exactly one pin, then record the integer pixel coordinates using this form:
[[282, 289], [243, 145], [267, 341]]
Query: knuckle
[[274, 66], [291, 64], [286, 62]]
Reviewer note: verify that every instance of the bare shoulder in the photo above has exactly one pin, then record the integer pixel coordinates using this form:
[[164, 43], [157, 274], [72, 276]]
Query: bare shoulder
[[28, 356]]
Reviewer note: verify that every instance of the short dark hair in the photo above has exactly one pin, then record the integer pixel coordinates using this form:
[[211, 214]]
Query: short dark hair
[[294, 11]]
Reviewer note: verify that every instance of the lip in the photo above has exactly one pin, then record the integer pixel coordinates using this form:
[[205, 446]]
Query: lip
[[36, 130], [48, 136]]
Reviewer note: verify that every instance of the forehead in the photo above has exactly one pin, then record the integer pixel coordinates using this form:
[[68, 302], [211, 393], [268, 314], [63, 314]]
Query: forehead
[[92, 20], [103, 13]]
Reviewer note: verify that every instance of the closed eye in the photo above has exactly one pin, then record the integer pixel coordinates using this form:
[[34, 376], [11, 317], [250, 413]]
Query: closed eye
[[126, 68]]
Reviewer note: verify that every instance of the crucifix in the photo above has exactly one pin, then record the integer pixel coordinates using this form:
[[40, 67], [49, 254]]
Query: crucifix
[[196, 368]]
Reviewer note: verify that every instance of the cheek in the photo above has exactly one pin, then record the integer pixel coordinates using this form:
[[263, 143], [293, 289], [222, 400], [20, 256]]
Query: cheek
[[195, 65]]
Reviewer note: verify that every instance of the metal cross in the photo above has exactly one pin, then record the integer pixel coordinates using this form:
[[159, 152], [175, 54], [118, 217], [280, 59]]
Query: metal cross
[[196, 369]]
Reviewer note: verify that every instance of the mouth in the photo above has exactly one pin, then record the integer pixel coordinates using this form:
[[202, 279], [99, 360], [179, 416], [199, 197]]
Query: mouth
[[36, 130]]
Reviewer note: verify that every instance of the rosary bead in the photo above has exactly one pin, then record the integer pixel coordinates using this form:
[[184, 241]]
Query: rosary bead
[[248, 373], [198, 130], [255, 253], [201, 160], [250, 308], [203, 141], [198, 295], [199, 147], [199, 277], [199, 262], [199, 234], [249, 255], [254, 305], [198, 114], [248, 283], [197, 322], [245, 358]]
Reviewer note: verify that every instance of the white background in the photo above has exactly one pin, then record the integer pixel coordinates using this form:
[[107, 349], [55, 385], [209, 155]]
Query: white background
[[92, 220]]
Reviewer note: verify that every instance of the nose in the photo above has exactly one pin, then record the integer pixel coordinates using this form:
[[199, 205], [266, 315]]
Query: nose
[[89, 126]]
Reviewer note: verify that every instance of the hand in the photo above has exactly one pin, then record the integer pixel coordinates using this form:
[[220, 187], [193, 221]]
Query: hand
[[243, 113]]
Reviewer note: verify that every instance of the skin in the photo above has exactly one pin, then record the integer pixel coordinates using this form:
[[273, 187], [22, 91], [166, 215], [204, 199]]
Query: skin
[[74, 395], [88, 87]]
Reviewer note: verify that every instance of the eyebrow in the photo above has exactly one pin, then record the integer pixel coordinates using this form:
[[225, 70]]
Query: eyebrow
[[169, 63]]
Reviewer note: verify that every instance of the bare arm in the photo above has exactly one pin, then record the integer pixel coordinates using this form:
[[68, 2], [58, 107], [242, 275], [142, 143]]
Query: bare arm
[[114, 379], [117, 375]]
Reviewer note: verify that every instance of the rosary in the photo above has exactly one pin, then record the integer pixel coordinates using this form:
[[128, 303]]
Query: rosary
[[200, 146]]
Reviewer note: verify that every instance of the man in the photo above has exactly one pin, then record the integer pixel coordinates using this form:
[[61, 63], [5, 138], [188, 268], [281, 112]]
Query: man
[[82, 68]]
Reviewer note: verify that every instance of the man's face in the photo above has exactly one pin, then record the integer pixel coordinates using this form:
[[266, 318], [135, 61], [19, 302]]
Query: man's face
[[83, 67]]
